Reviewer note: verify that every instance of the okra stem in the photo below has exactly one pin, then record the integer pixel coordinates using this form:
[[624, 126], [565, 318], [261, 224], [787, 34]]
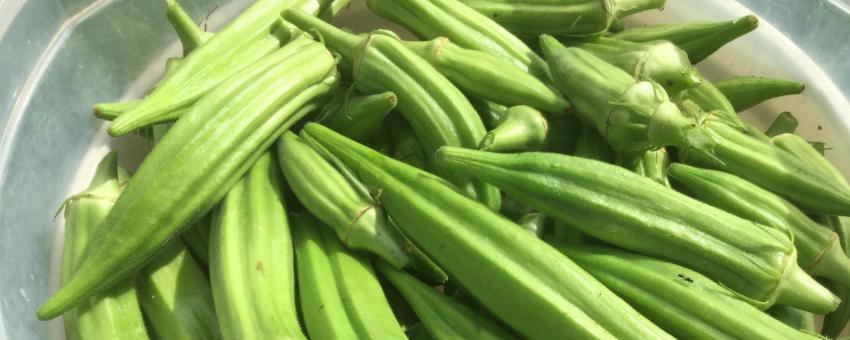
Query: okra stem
[[191, 36]]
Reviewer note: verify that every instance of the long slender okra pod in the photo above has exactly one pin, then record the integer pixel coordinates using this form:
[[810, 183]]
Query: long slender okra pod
[[115, 313], [176, 296], [194, 165], [698, 39], [749, 91], [521, 128], [794, 318], [358, 221], [443, 317], [682, 301], [591, 145], [359, 117], [636, 213], [785, 122], [191, 36], [523, 287], [804, 151], [436, 110]]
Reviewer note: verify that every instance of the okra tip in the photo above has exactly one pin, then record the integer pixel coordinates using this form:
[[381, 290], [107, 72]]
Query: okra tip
[[340, 41], [798, 289], [549, 45]]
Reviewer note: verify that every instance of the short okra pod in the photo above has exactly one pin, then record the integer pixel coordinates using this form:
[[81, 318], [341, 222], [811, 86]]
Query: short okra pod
[[749, 91], [684, 302], [521, 128], [591, 145], [531, 296], [358, 117], [652, 164], [785, 122], [443, 317], [796, 319], [638, 214], [698, 39], [191, 36]]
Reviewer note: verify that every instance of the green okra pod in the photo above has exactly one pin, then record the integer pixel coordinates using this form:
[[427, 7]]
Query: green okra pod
[[806, 152], [709, 98], [176, 296], [684, 302], [794, 318], [818, 251], [523, 287], [191, 169], [252, 262], [489, 112], [346, 206], [437, 111], [197, 239], [191, 36], [443, 317], [431, 19], [698, 39], [591, 145], [748, 91], [638, 214], [485, 76], [115, 313], [785, 122], [652, 164], [521, 128], [358, 117], [834, 323]]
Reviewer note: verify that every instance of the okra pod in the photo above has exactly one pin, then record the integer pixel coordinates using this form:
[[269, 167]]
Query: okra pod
[[835, 322], [194, 165], [794, 318], [191, 36], [591, 145], [805, 152], [709, 98], [443, 317], [652, 164], [485, 76], [698, 39], [115, 313], [523, 287], [521, 128], [535, 223], [785, 122], [197, 239], [490, 112], [682, 301], [346, 206], [638, 214], [818, 251], [436, 110], [176, 297], [746, 92], [359, 117]]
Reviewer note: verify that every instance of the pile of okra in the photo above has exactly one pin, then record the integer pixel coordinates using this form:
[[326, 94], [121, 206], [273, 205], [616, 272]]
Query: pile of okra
[[526, 169]]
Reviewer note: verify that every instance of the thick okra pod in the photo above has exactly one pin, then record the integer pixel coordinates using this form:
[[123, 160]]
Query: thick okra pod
[[191, 36], [359, 117], [682, 301], [437, 111], [431, 19], [443, 317], [636, 213], [194, 165], [358, 221], [818, 251], [531, 295], [591, 145], [176, 296], [698, 39], [652, 164], [794, 318], [115, 313], [252, 261], [746, 92], [485, 76], [521, 128]]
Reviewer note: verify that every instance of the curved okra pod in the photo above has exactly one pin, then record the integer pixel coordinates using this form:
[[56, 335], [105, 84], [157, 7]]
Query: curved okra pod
[[359, 117], [521, 128], [785, 122], [818, 251], [252, 262], [698, 39], [346, 207], [652, 164], [485, 76], [115, 313], [431, 19], [591, 145], [682, 301], [531, 295], [746, 92], [191, 36], [176, 296], [436, 110], [443, 317], [796, 319], [638, 214], [193, 166]]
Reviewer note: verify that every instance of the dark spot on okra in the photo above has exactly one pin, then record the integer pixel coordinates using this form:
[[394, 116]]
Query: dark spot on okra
[[820, 128], [260, 267], [686, 279]]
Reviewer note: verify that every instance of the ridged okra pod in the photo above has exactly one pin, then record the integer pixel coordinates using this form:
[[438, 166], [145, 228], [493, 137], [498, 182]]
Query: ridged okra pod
[[684, 302], [805, 152], [358, 117], [340, 295], [698, 39], [196, 163], [796, 319], [437, 111], [252, 261], [575, 18], [176, 297], [652, 164], [521, 128], [431, 19], [818, 251], [636, 213], [485, 76], [523, 287], [339, 201], [191, 36], [115, 313], [746, 92], [443, 317]]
